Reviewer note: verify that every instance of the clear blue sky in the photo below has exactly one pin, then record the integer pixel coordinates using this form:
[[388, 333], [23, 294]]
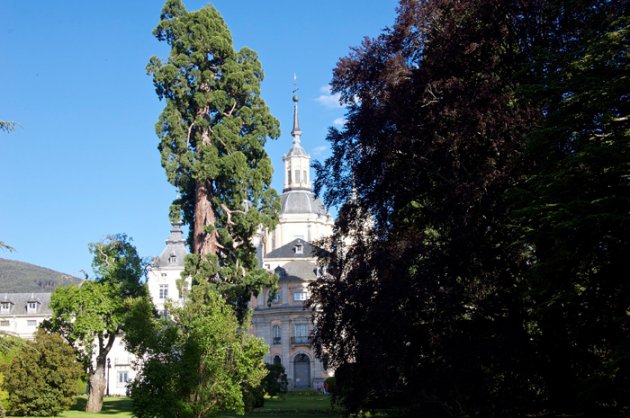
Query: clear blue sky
[[83, 162]]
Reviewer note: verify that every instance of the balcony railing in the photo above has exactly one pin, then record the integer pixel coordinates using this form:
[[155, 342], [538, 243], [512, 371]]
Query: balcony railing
[[277, 340], [301, 340]]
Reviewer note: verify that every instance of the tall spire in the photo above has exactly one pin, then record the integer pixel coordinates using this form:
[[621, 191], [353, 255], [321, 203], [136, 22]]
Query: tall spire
[[296, 132]]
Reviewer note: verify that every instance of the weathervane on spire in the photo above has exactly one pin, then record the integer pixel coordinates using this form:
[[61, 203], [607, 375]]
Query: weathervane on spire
[[295, 87], [296, 132]]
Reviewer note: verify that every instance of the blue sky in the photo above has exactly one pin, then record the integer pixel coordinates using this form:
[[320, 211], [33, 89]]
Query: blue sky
[[83, 161]]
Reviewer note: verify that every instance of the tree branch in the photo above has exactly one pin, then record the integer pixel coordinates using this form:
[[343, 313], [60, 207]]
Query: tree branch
[[229, 213]]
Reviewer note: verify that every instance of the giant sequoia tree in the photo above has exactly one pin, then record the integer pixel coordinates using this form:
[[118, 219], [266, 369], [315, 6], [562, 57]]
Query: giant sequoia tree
[[443, 300], [213, 130]]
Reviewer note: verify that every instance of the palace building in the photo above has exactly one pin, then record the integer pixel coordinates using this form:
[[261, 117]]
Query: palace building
[[288, 251]]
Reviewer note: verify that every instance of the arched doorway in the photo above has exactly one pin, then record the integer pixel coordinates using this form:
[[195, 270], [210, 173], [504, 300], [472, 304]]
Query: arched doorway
[[301, 371]]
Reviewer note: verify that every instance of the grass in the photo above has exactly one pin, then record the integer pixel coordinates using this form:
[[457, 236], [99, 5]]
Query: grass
[[112, 407], [294, 405], [291, 405]]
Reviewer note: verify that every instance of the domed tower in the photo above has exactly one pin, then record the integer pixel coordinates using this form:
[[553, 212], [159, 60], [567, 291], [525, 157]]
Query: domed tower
[[290, 252], [302, 216]]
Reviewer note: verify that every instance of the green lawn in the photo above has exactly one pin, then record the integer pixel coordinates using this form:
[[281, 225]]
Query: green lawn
[[292, 405]]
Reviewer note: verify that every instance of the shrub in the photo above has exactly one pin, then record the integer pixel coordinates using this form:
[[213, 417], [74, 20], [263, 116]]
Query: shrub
[[276, 381], [41, 379]]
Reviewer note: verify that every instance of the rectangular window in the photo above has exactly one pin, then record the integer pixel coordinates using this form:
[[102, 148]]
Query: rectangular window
[[31, 307], [123, 377], [163, 291], [297, 176], [5, 307], [300, 334], [4, 323], [304, 176], [31, 323], [301, 330], [299, 295], [277, 336]]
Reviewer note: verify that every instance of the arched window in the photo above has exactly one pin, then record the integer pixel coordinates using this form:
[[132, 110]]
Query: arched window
[[277, 360], [302, 371]]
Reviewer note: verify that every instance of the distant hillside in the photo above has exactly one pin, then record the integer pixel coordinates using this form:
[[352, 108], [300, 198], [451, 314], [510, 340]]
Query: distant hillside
[[19, 277]]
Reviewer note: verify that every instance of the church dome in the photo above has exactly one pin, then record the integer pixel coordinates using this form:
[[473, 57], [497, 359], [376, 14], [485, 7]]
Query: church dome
[[296, 151], [301, 201]]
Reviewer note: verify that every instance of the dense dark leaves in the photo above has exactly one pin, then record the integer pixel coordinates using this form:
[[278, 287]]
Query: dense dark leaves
[[451, 219], [573, 209]]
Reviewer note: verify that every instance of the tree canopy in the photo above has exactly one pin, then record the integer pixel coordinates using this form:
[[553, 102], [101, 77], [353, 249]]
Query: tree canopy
[[482, 178], [92, 315], [43, 377], [212, 135], [196, 363]]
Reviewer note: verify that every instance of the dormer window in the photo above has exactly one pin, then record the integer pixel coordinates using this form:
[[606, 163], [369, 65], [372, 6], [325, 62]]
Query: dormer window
[[172, 259], [31, 307], [300, 295], [5, 307], [299, 249], [277, 297]]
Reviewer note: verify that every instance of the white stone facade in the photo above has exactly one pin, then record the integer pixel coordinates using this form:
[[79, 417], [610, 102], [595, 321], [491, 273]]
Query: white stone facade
[[285, 325], [22, 313]]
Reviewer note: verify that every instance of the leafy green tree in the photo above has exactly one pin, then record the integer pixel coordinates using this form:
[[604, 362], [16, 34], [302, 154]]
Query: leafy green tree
[[196, 363], [90, 316], [212, 135], [42, 378], [8, 347]]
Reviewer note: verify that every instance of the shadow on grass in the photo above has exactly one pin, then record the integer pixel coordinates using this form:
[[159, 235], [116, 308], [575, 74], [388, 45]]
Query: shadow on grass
[[111, 405]]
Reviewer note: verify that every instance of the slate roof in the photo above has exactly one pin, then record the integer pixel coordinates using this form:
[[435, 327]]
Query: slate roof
[[289, 250], [301, 201], [19, 301], [297, 271], [175, 247], [296, 151]]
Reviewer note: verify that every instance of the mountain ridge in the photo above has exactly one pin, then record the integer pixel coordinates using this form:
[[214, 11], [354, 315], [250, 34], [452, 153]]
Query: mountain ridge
[[22, 277]]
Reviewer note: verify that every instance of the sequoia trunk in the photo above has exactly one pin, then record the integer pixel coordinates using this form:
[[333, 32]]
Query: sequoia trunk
[[205, 241]]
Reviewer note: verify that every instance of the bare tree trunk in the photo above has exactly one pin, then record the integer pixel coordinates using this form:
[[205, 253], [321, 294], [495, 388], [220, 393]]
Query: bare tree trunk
[[98, 380], [97, 386]]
